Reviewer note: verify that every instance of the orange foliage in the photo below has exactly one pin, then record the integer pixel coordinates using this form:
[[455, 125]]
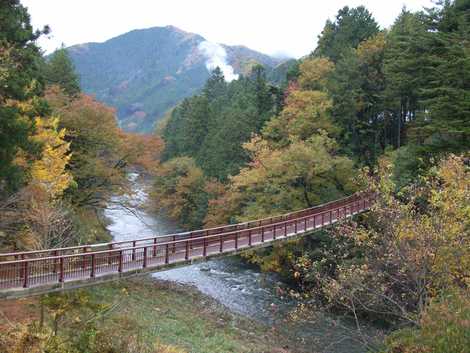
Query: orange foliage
[[143, 150]]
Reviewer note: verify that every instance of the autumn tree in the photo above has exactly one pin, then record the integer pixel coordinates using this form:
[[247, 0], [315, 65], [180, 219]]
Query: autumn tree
[[20, 81], [413, 247], [97, 159], [143, 151], [34, 217], [180, 192], [49, 172]]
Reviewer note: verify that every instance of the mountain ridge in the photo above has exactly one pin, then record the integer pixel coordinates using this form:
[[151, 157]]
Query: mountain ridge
[[145, 72]]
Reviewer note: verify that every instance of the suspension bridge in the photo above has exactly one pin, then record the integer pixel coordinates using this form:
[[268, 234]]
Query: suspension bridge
[[29, 273]]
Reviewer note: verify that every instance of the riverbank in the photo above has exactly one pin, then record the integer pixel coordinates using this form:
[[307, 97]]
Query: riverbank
[[181, 316], [163, 314]]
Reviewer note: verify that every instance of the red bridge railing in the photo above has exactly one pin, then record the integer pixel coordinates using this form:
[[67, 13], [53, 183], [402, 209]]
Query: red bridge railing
[[45, 267]]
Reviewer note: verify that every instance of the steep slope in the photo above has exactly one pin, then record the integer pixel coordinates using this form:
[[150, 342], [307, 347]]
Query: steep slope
[[143, 73]]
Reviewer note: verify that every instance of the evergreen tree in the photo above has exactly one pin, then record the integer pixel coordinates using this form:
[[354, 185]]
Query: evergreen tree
[[215, 86], [351, 27], [356, 88], [405, 75], [211, 127], [59, 70], [444, 126]]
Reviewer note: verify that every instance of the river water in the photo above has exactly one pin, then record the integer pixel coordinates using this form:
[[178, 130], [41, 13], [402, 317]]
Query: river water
[[240, 287]]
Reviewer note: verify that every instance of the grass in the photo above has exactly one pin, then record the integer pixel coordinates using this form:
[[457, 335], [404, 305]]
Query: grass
[[180, 316], [162, 314]]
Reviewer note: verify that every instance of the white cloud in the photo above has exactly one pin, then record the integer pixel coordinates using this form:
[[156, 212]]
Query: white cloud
[[216, 56]]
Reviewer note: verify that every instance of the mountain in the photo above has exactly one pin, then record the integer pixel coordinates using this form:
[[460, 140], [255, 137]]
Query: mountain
[[146, 72]]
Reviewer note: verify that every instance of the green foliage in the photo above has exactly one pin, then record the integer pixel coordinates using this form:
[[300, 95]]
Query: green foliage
[[444, 327], [303, 174], [350, 28], [180, 192], [413, 247], [445, 124], [283, 73], [356, 89], [20, 81], [59, 70], [294, 164], [407, 86], [404, 71], [211, 127]]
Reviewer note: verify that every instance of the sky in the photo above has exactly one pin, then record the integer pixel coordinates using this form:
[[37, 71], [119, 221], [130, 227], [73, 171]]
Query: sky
[[275, 27]]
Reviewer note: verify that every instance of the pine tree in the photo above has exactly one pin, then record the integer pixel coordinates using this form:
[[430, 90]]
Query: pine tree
[[351, 27], [405, 75], [445, 124], [59, 70]]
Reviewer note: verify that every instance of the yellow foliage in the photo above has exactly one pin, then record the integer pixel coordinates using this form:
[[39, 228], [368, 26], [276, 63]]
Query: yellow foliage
[[314, 73], [416, 246], [370, 49], [305, 113], [163, 348], [49, 171]]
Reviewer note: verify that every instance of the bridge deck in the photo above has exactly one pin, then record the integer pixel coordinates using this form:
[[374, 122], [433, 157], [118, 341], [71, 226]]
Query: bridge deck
[[35, 272]]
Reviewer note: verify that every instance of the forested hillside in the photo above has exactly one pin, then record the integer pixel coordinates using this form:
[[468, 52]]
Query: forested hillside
[[146, 72], [370, 108]]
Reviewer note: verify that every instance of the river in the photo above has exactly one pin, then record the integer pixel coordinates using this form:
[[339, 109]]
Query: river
[[240, 287]]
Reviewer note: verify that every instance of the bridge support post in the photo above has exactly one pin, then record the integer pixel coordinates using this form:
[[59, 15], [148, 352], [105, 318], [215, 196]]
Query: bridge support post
[[262, 234], [110, 258], [144, 265], [61, 273], [249, 237], [186, 255], [120, 262], [221, 249], [204, 247], [84, 262], [25, 274], [236, 240], [154, 247], [133, 250], [55, 261], [167, 255], [93, 264]]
